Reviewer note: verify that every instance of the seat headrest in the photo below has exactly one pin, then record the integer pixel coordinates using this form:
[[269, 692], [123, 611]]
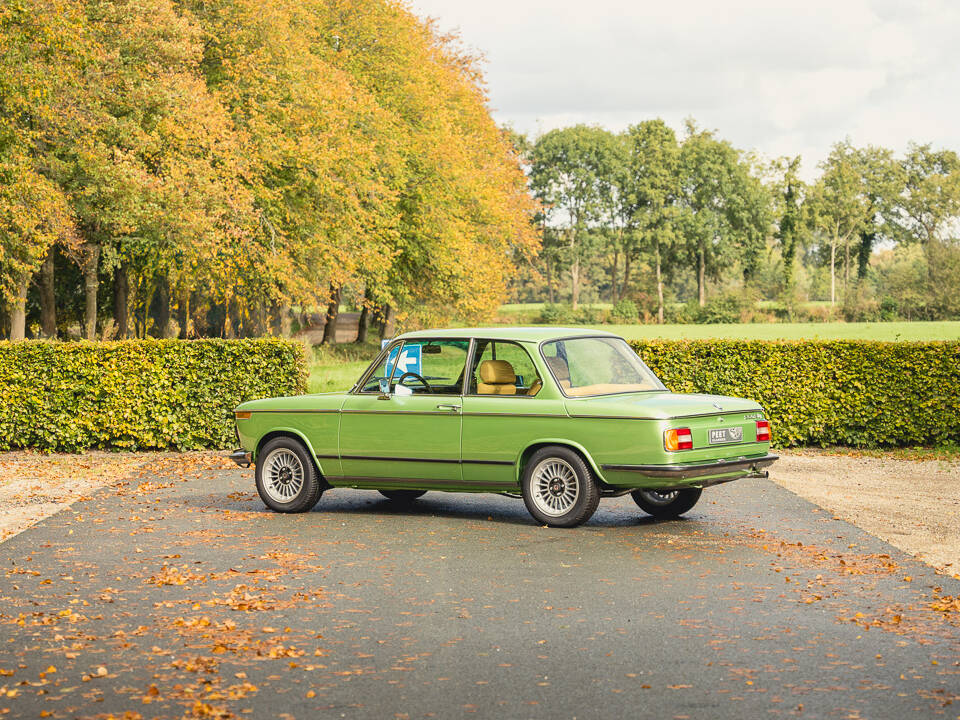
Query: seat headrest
[[497, 372]]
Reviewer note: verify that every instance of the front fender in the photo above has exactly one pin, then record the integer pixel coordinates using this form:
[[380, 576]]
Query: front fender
[[274, 432]]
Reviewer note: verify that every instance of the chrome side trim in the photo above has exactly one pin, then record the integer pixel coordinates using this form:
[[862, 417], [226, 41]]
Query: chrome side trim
[[379, 458], [415, 482], [668, 417]]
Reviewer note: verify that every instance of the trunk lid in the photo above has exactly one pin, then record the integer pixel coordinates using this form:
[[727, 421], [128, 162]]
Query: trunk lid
[[658, 405]]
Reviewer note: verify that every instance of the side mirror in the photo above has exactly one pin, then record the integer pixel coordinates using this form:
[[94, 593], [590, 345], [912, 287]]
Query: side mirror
[[384, 389]]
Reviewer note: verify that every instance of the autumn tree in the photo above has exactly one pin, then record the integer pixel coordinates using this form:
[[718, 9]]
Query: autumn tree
[[654, 179], [927, 211], [723, 207], [40, 53], [570, 176]]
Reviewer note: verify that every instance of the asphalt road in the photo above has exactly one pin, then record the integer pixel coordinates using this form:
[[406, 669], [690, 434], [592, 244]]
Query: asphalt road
[[175, 595]]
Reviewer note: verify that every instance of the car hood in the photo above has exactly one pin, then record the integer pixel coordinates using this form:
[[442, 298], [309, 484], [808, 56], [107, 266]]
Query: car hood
[[657, 405]]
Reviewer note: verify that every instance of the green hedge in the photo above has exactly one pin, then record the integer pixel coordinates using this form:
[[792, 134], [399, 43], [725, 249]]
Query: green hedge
[[860, 394], [137, 394]]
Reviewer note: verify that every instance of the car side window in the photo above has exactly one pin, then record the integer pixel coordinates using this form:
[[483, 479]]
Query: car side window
[[442, 364], [381, 371], [502, 367], [422, 367]]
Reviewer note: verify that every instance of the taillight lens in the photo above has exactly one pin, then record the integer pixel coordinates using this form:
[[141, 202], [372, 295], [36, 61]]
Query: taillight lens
[[763, 431], [679, 439]]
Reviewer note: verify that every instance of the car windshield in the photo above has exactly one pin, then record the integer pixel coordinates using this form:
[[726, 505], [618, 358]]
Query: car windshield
[[598, 366]]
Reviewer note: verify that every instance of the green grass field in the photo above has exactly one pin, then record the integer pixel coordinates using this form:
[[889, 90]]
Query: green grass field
[[886, 331], [338, 367]]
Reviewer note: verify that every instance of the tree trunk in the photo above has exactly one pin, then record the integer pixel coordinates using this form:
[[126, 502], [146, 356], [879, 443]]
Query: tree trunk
[[575, 283], [121, 301], [229, 329], [550, 297], [702, 274], [333, 310], [613, 277], [574, 268], [627, 270], [91, 265], [389, 320], [864, 252], [363, 325], [48, 298], [286, 321], [183, 316], [846, 267], [833, 272], [18, 312], [162, 318], [659, 285]]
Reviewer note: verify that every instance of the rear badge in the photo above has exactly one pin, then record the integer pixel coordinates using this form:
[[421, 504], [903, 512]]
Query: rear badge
[[719, 436]]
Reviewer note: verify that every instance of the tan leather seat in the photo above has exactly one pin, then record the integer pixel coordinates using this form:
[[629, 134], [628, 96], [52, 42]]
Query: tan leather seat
[[496, 378], [535, 387], [561, 372]]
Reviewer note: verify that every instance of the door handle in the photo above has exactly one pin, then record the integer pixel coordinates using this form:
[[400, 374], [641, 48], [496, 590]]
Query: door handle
[[452, 408]]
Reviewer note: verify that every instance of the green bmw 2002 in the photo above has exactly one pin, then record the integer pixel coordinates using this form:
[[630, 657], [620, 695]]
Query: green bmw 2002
[[561, 417]]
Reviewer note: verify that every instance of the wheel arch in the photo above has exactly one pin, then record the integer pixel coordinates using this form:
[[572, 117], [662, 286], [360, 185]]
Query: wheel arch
[[532, 447], [296, 435]]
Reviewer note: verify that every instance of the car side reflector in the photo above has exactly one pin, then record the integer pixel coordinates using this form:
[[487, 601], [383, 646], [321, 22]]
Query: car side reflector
[[678, 439], [242, 415], [763, 431]]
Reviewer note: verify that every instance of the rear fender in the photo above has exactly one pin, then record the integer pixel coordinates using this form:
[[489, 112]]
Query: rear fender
[[563, 442]]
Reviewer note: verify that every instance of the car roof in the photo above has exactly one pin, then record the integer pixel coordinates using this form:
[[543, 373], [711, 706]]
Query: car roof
[[520, 334]]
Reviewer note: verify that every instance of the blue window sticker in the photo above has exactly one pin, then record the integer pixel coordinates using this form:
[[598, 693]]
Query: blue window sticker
[[409, 361]]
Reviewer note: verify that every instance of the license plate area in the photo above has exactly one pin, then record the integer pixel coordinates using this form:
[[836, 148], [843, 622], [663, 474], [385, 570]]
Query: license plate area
[[723, 436]]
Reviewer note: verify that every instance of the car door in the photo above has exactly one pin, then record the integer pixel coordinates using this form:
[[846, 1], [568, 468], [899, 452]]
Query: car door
[[503, 412], [408, 436]]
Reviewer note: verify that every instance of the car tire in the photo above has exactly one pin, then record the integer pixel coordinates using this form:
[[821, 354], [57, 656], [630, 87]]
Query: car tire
[[666, 505], [287, 479], [559, 488], [403, 497]]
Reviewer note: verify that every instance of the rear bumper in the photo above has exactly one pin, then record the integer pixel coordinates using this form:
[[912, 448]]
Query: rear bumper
[[742, 465], [241, 457]]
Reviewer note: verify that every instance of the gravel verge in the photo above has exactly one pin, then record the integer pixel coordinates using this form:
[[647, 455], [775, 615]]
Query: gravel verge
[[912, 504]]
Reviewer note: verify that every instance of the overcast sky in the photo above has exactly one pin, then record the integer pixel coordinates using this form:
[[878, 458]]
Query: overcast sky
[[782, 78]]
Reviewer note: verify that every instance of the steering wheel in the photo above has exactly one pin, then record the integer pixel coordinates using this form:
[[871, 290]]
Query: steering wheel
[[418, 377]]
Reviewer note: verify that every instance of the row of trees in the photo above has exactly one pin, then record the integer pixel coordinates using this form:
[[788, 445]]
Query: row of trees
[[694, 210], [205, 167]]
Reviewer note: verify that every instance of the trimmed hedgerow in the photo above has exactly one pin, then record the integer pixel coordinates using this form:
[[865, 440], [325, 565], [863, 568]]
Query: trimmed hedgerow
[[138, 394], [860, 394]]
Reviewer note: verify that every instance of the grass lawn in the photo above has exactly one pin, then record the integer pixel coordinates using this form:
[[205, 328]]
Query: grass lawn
[[888, 331], [338, 367]]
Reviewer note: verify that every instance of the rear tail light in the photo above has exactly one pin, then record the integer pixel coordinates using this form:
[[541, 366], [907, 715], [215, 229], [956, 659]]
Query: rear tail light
[[679, 439], [763, 431]]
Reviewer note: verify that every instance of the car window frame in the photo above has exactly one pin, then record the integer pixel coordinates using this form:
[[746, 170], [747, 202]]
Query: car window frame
[[357, 388], [556, 382], [401, 342], [475, 342]]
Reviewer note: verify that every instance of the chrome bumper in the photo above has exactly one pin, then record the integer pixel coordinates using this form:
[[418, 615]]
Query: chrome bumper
[[241, 457], [748, 466]]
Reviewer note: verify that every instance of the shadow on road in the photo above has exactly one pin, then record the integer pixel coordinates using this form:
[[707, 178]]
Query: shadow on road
[[488, 507]]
